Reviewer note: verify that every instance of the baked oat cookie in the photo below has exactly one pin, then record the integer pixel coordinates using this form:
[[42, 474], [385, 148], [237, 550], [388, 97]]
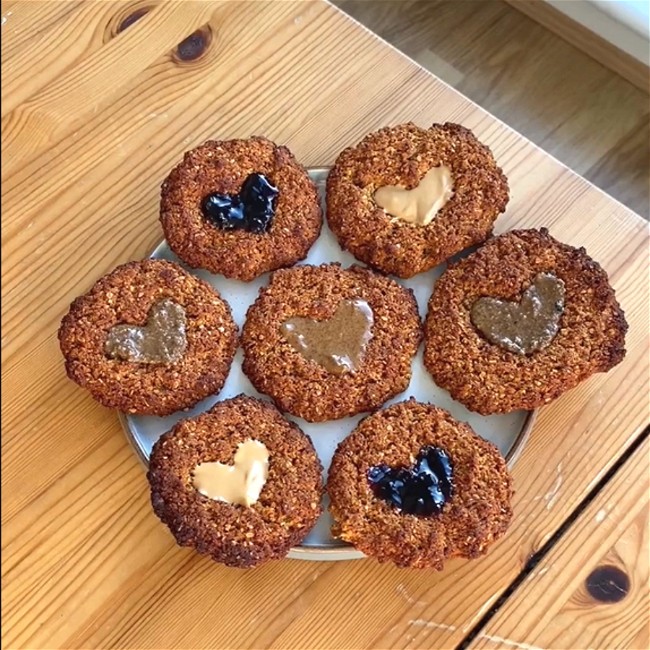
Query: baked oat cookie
[[406, 198], [326, 342], [519, 322], [238, 483], [149, 338], [413, 486], [240, 208]]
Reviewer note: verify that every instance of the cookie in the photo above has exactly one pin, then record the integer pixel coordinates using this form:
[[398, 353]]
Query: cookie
[[326, 342], [405, 198], [149, 338], [238, 483], [413, 486], [240, 208], [519, 322]]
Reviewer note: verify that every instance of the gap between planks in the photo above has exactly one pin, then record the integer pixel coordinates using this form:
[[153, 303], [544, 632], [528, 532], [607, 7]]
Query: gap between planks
[[477, 631]]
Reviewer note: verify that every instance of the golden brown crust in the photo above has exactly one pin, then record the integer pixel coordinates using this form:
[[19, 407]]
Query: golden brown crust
[[126, 295], [401, 155], [303, 387], [239, 536], [222, 166], [477, 514], [487, 378]]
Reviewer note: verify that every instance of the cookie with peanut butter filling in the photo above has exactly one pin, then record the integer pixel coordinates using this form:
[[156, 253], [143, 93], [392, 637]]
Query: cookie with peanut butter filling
[[520, 321], [238, 483], [406, 198], [326, 342], [149, 338]]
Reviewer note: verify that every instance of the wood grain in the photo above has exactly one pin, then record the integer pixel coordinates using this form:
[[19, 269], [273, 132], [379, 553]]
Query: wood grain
[[86, 564], [45, 117], [47, 50], [554, 608], [584, 39], [587, 116]]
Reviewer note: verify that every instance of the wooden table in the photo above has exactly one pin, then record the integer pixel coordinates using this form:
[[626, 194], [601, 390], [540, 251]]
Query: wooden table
[[96, 108]]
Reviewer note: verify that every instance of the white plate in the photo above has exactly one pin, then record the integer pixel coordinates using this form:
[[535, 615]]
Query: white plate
[[507, 432]]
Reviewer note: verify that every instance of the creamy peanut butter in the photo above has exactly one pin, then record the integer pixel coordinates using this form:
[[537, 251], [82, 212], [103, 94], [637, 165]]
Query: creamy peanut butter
[[240, 483], [419, 205], [527, 326], [161, 340], [337, 344]]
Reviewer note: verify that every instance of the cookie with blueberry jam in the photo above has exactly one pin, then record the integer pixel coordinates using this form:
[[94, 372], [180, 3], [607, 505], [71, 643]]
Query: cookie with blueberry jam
[[413, 486], [240, 208]]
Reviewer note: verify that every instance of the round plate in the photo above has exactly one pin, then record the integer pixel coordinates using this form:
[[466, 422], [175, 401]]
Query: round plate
[[508, 432]]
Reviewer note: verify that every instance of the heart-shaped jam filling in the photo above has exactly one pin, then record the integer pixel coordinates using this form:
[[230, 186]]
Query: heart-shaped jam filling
[[337, 344], [252, 209], [422, 489], [240, 483], [422, 203], [527, 326], [161, 340]]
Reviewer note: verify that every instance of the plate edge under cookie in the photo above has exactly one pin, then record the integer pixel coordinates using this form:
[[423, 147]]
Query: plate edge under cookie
[[344, 551]]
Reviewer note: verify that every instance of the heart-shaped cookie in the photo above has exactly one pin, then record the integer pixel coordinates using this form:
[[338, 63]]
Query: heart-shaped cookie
[[422, 489], [240, 483], [337, 344], [527, 326], [162, 340], [422, 203]]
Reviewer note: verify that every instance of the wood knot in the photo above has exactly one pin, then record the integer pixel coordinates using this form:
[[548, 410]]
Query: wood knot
[[127, 15], [133, 17], [194, 46], [608, 584]]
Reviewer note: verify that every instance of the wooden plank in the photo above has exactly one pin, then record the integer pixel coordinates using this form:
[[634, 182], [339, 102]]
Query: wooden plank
[[25, 20], [46, 117], [592, 44], [41, 50], [573, 599], [85, 562]]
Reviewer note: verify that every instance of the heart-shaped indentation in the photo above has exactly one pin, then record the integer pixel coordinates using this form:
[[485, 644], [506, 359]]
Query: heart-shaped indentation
[[252, 209], [337, 344], [527, 326], [161, 340], [422, 203], [422, 489], [240, 483]]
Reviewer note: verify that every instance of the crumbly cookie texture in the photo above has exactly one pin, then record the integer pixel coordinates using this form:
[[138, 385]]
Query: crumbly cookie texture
[[237, 535], [223, 166], [303, 387], [477, 514], [486, 377], [402, 155], [125, 296]]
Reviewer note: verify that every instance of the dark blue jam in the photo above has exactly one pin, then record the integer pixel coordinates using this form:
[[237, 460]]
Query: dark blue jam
[[252, 209], [422, 489]]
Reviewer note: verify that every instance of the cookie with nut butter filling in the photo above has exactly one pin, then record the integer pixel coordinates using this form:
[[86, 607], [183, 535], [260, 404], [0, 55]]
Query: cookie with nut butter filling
[[239, 483], [149, 338], [520, 321], [407, 198], [327, 342]]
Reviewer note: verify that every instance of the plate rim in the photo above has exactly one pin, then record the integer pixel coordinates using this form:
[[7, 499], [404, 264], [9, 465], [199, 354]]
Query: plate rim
[[344, 551]]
